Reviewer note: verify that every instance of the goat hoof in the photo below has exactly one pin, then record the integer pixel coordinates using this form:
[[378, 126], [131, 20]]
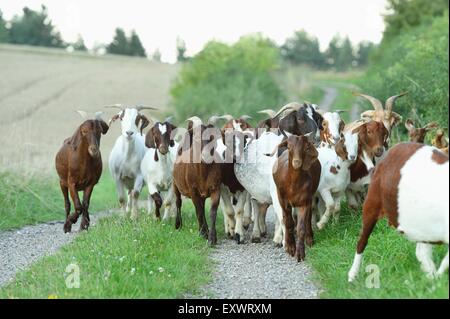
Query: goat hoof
[[256, 240], [67, 227], [278, 245], [290, 249], [229, 236], [238, 238], [320, 226], [246, 227], [264, 234], [309, 242]]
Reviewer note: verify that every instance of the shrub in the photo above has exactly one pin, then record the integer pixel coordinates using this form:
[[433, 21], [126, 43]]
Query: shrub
[[416, 62], [233, 79]]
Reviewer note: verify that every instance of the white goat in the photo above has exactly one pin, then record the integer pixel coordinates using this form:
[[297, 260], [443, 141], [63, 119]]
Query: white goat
[[126, 156], [335, 174], [255, 174], [157, 167]]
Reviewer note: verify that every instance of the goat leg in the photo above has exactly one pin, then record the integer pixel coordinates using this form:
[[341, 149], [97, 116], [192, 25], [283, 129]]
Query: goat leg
[[65, 190], [215, 200], [178, 202], [158, 202], [85, 221]]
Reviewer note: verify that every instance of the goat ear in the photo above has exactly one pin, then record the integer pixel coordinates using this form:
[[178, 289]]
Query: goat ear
[[150, 140], [431, 126], [144, 121], [104, 126], [113, 119], [341, 126]]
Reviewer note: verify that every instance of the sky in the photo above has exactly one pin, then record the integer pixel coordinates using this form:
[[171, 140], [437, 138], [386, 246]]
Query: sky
[[159, 23]]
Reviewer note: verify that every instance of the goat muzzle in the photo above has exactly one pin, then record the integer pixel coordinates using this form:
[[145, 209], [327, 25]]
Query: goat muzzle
[[93, 151]]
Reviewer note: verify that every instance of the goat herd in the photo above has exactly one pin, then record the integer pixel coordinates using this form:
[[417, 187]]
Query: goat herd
[[301, 160]]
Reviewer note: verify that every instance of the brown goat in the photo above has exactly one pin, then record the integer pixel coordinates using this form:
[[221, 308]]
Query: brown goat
[[296, 174], [198, 181], [372, 138], [417, 135], [79, 166]]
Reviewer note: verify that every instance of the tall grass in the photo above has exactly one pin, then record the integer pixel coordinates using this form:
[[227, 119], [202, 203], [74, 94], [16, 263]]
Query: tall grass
[[32, 199]]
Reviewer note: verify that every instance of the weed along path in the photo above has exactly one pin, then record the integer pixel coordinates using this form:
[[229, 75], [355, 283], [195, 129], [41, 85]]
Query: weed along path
[[258, 270], [21, 247]]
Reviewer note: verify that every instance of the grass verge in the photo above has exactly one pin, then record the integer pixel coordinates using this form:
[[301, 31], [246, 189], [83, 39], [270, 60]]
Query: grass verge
[[120, 258], [28, 200], [399, 271]]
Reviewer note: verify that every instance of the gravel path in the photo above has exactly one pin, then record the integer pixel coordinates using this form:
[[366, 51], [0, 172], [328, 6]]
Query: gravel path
[[258, 271], [20, 248], [330, 95]]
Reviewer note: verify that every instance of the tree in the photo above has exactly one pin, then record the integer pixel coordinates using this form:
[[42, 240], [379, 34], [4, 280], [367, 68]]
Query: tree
[[340, 54], [410, 13], [156, 56], [119, 45], [35, 28], [79, 44], [302, 48], [4, 37], [135, 47], [365, 48], [181, 50]]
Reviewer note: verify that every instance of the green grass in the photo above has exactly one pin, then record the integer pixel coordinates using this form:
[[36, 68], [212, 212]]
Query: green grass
[[400, 274], [120, 258], [27, 200]]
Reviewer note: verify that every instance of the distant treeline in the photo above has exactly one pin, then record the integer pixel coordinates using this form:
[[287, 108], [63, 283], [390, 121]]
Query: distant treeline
[[35, 28]]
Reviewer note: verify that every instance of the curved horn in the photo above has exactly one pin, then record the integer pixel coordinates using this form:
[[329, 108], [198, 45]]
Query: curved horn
[[409, 124], [142, 107], [213, 119], [375, 102], [227, 117], [169, 119], [431, 125], [115, 106], [288, 109], [196, 121], [340, 111], [245, 117], [271, 113], [98, 116], [391, 101], [83, 114]]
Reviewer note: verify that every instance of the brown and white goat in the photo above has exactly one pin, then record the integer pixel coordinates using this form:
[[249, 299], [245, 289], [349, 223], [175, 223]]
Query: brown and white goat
[[157, 166], [79, 167], [372, 138], [417, 134], [197, 179], [410, 187], [384, 115], [296, 174]]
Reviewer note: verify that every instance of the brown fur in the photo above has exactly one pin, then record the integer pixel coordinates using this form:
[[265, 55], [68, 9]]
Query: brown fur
[[439, 157], [382, 195], [297, 175], [78, 170], [418, 134], [198, 181]]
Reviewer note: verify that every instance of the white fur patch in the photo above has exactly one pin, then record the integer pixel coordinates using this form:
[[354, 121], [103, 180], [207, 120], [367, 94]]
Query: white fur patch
[[162, 128], [423, 202]]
